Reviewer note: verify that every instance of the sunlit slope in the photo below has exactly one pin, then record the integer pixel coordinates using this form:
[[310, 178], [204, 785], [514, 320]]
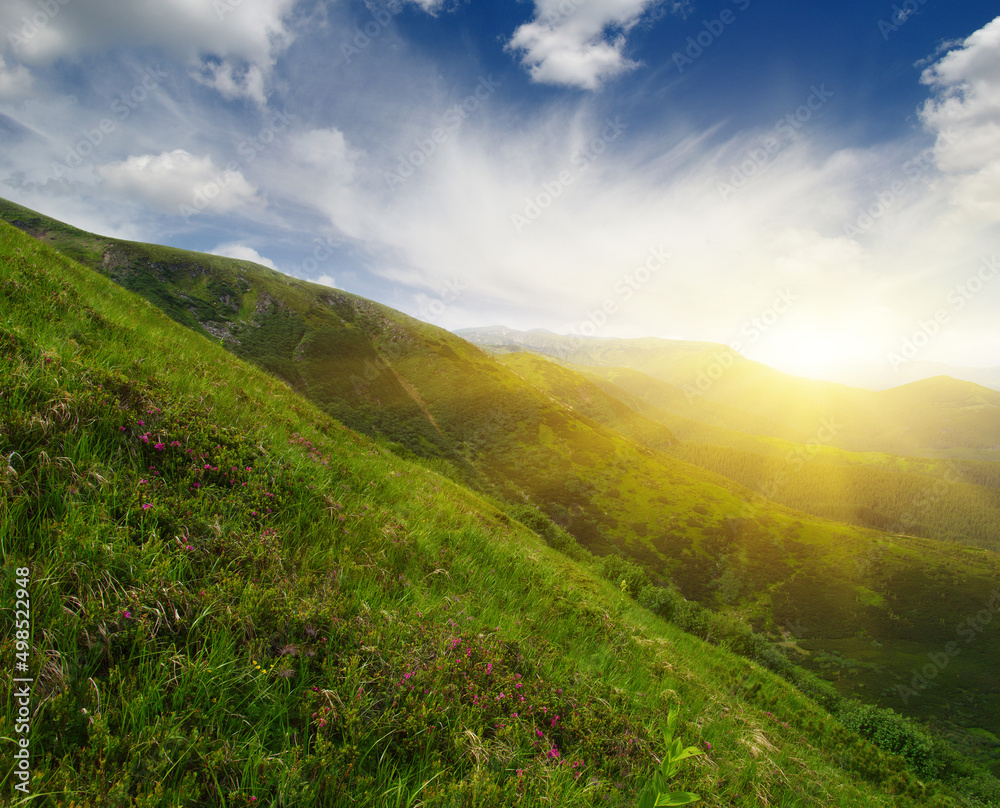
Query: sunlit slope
[[587, 399], [940, 417], [446, 400], [236, 601], [955, 500]]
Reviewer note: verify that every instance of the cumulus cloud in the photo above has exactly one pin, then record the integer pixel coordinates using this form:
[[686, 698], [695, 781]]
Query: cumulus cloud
[[245, 35], [241, 252], [964, 114], [578, 43], [178, 182]]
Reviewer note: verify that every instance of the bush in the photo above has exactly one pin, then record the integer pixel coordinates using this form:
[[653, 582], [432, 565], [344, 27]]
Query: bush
[[627, 574], [894, 734], [660, 600], [554, 536]]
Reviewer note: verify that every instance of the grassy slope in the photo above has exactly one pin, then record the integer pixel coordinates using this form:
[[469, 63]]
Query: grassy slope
[[255, 606], [885, 492], [379, 370], [589, 400]]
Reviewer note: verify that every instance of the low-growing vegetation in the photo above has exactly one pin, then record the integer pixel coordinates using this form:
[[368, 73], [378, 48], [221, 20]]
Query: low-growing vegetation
[[237, 601]]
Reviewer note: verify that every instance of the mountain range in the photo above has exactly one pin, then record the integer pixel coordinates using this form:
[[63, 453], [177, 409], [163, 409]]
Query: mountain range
[[855, 531]]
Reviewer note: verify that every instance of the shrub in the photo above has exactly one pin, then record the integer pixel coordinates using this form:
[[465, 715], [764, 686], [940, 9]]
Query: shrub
[[895, 734], [626, 573]]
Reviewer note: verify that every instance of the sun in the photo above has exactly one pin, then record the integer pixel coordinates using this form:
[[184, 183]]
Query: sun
[[813, 351]]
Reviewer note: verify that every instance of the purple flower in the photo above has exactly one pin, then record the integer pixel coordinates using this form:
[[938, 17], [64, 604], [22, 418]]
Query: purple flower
[[160, 447], [147, 506]]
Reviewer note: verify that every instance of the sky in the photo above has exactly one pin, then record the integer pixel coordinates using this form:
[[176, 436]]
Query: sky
[[814, 185]]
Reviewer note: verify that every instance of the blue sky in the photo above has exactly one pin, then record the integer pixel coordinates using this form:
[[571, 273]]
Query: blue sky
[[817, 185]]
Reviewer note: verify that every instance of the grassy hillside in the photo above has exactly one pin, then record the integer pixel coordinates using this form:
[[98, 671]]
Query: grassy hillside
[[588, 400], [953, 500], [444, 401], [236, 601]]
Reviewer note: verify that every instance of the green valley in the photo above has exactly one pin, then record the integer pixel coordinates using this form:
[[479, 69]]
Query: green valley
[[320, 501]]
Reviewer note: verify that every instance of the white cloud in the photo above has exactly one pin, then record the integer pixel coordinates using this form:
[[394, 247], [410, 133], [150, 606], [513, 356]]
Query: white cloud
[[177, 182], [326, 280], [597, 208], [246, 35], [232, 82], [578, 43], [14, 82], [321, 166], [964, 113], [243, 253], [430, 6]]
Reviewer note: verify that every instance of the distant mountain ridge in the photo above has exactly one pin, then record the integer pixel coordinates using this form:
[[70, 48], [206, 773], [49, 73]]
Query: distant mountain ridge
[[938, 417], [871, 376]]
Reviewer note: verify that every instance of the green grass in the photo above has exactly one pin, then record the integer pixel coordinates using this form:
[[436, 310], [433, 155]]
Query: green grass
[[256, 606], [592, 480]]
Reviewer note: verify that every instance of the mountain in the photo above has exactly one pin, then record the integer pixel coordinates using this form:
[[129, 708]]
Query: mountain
[[601, 482], [876, 377], [238, 601], [951, 500], [939, 417]]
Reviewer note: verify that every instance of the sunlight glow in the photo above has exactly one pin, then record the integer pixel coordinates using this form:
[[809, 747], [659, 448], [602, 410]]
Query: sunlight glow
[[816, 352]]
